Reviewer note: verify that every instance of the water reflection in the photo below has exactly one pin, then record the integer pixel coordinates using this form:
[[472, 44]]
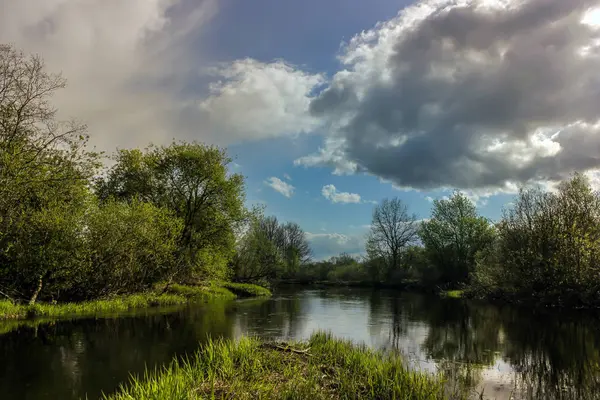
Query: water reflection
[[503, 351]]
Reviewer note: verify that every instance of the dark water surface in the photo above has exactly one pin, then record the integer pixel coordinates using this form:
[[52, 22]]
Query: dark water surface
[[504, 351]]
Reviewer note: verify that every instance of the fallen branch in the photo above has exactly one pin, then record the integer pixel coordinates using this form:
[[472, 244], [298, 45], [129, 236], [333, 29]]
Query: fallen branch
[[284, 347], [7, 296]]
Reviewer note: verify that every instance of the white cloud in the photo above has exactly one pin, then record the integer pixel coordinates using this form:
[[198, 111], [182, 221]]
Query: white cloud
[[429, 199], [467, 94], [331, 155], [286, 176], [117, 57], [331, 193], [258, 100], [280, 186], [135, 74], [325, 245]]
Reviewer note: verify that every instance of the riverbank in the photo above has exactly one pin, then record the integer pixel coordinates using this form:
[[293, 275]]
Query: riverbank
[[566, 299], [563, 299], [321, 368], [174, 295]]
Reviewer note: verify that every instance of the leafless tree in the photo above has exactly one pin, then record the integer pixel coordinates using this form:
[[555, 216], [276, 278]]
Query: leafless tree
[[392, 230]]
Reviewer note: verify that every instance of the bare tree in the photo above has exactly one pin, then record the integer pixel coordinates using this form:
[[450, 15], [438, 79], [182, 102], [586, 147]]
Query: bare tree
[[269, 249], [35, 148], [392, 230], [296, 248]]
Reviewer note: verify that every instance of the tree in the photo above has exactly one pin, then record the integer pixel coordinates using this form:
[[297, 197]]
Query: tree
[[270, 250], [44, 171], [296, 249], [193, 181], [548, 245], [130, 246], [37, 152], [454, 235], [392, 230]]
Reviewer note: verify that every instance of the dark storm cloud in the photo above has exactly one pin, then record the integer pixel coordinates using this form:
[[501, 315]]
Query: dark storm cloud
[[469, 96]]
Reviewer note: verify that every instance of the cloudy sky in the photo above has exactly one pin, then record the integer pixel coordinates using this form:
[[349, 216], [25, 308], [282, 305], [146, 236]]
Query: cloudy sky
[[330, 106]]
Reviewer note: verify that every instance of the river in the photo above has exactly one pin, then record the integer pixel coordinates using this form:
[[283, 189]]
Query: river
[[503, 351]]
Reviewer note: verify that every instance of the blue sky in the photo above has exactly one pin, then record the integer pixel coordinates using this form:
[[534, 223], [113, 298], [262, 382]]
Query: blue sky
[[327, 107], [268, 29]]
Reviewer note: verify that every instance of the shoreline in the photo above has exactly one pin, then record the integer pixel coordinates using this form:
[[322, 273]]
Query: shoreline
[[176, 295], [323, 367], [530, 301]]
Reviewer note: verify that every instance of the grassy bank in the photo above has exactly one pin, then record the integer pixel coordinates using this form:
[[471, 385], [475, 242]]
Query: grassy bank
[[322, 368], [246, 289], [174, 295]]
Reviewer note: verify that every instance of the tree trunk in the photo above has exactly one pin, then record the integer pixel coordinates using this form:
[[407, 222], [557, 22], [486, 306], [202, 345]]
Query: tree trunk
[[37, 292], [168, 284]]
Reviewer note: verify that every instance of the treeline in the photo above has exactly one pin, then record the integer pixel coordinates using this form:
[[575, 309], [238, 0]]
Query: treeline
[[72, 229], [545, 248]]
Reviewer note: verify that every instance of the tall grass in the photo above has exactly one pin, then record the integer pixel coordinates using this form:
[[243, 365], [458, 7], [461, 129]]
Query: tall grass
[[322, 368]]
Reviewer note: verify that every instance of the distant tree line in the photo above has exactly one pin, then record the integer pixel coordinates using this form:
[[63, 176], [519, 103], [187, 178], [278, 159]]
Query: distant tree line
[[71, 229], [546, 248]]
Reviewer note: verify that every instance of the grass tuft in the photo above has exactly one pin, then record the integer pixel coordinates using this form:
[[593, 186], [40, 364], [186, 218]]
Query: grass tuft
[[322, 368]]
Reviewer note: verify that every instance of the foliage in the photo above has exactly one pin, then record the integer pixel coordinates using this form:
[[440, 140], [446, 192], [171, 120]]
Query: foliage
[[132, 246], [68, 233], [392, 230], [191, 180], [322, 368], [548, 247], [91, 251], [44, 170], [269, 250], [453, 235]]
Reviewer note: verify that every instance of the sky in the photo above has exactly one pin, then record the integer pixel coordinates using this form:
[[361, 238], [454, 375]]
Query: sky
[[327, 107]]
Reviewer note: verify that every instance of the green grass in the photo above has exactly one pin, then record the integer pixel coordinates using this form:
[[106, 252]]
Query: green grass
[[246, 289], [9, 310], [202, 292], [453, 294], [174, 295], [322, 368]]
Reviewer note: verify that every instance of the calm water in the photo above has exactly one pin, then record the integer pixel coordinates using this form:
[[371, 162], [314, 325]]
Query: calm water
[[501, 351]]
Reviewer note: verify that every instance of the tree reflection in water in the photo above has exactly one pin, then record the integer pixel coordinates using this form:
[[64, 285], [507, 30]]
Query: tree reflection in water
[[504, 351]]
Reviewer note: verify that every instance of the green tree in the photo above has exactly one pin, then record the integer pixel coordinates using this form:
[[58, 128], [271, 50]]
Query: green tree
[[44, 171], [548, 246], [193, 181], [130, 246], [454, 235]]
